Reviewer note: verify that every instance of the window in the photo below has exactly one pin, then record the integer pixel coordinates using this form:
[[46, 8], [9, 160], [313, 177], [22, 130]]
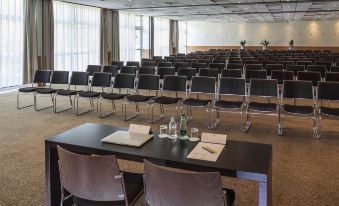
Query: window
[[11, 46], [161, 37], [145, 37], [182, 37], [128, 36], [76, 36]]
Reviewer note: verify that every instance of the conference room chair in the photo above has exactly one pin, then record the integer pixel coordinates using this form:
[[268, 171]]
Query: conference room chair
[[334, 69], [146, 70], [293, 59], [180, 65], [328, 94], [270, 67], [235, 62], [96, 180], [205, 61], [157, 61], [129, 70], [93, 68], [285, 63], [124, 83], [78, 79], [251, 62], [295, 69], [157, 57], [187, 72], [165, 64], [234, 66], [172, 84], [58, 78], [299, 90], [328, 64], [257, 74], [189, 61], [318, 68], [167, 187], [200, 86], [120, 64], [332, 76], [197, 66], [313, 60], [204, 72], [315, 77], [168, 58], [148, 63], [218, 66], [229, 87], [266, 91], [146, 83], [40, 80], [133, 64], [235, 73], [112, 69], [219, 61], [100, 81], [253, 67], [280, 76], [305, 63], [162, 71], [173, 61]]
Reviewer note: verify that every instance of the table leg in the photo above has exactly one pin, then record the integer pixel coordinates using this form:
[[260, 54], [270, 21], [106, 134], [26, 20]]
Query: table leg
[[52, 183]]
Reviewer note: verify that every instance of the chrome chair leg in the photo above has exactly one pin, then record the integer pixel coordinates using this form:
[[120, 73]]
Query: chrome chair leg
[[36, 103], [55, 104], [316, 125], [77, 106], [217, 121], [248, 121], [280, 123], [125, 113]]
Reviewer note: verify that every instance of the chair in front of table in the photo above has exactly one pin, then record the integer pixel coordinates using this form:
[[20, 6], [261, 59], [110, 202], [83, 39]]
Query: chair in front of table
[[93, 180], [167, 188]]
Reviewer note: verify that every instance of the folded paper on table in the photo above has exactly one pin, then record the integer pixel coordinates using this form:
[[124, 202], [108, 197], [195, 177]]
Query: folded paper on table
[[214, 138], [202, 154], [142, 129]]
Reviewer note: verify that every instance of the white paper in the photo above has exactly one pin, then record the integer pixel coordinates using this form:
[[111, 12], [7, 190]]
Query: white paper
[[127, 138], [201, 154], [140, 129], [214, 138]]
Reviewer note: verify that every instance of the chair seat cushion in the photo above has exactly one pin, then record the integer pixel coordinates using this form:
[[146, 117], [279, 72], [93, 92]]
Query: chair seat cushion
[[262, 107], [167, 100], [28, 89], [65, 92], [133, 185], [296, 109], [46, 91], [139, 98], [330, 111], [113, 96], [89, 94], [196, 102], [228, 104]]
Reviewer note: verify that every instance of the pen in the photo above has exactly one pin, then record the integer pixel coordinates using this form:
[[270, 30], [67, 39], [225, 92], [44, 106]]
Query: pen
[[209, 149]]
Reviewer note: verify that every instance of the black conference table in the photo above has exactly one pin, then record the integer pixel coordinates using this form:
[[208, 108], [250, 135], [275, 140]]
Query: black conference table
[[243, 160]]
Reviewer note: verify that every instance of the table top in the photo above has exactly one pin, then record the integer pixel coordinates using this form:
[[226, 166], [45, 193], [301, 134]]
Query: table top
[[236, 156]]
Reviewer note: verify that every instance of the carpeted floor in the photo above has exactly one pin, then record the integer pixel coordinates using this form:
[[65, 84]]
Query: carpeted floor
[[305, 172]]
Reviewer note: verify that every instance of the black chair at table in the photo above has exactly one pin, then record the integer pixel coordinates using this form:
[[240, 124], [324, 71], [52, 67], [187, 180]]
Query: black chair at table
[[40, 77], [229, 87], [121, 82], [236, 73], [299, 90], [93, 180], [77, 79], [58, 78], [332, 76], [172, 84], [146, 70], [100, 80]]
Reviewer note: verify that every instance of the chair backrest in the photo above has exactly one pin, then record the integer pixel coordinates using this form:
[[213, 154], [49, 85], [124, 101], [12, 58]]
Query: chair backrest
[[328, 64], [335, 69], [148, 82], [167, 187], [203, 85], [124, 81], [162, 71], [180, 65], [42, 76], [148, 63], [253, 67], [205, 61], [264, 87], [258, 74], [315, 77], [305, 63], [133, 64], [219, 66], [280, 76], [174, 83], [270, 67], [232, 86], [118, 63], [332, 76], [295, 68], [317, 68], [146, 70], [89, 177], [189, 73], [236, 73], [328, 91], [60, 77], [101, 79], [297, 89], [113, 69], [79, 78], [209, 73], [93, 68], [128, 70], [164, 64], [234, 66], [235, 61]]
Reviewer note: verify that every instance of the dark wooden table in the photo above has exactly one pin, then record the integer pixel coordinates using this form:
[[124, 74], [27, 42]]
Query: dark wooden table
[[243, 160]]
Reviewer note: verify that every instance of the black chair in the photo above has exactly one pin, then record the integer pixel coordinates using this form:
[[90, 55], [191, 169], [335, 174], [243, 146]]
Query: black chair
[[133, 64], [40, 77], [332, 76], [305, 63], [200, 85], [148, 63], [297, 89], [285, 63], [327, 64], [58, 78], [93, 68], [77, 79], [249, 67], [315, 77], [234, 66], [165, 64], [188, 73], [264, 89], [197, 66], [317, 68], [100, 80], [257, 74], [218, 66], [128, 70], [204, 61], [181, 65], [113, 69], [280, 76], [203, 72], [162, 71], [229, 86], [146, 70], [172, 84], [295, 69], [335, 69], [119, 64], [236, 73], [270, 67], [121, 82]]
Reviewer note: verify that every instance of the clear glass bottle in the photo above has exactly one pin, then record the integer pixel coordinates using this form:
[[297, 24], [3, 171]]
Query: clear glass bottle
[[183, 128], [172, 127]]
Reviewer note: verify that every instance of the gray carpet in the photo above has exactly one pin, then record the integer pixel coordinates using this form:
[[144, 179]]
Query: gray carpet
[[305, 172]]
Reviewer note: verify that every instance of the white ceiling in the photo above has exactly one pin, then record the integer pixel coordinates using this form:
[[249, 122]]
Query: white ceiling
[[226, 10]]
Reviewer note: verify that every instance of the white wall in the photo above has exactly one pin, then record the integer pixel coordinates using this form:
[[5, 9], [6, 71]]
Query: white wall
[[304, 33]]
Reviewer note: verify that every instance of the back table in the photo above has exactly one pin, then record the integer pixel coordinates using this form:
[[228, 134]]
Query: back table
[[243, 160]]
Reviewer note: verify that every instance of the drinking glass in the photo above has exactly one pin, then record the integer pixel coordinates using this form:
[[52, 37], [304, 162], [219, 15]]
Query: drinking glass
[[163, 131], [194, 134]]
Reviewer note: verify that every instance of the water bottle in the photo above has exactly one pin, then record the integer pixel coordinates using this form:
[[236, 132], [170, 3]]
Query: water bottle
[[183, 128], [172, 127]]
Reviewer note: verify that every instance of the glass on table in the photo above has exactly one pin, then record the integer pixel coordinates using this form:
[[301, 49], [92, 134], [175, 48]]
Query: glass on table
[[163, 131], [194, 134]]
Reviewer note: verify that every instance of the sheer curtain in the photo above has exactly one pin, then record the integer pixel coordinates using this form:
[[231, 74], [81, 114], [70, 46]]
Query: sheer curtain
[[11, 43], [182, 37], [127, 36], [76, 36], [145, 37], [161, 37]]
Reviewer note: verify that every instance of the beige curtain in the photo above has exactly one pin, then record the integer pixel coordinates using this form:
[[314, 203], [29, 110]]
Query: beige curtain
[[109, 37], [151, 37], [174, 37], [47, 35]]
